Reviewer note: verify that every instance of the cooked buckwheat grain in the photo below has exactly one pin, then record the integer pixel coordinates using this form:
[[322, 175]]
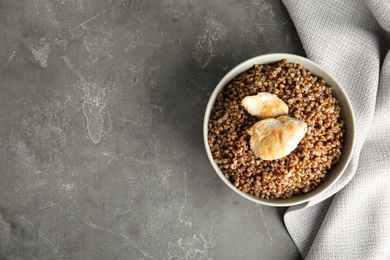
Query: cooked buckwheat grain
[[309, 99]]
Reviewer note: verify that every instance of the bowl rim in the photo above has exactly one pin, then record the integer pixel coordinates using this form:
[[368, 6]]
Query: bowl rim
[[317, 70]]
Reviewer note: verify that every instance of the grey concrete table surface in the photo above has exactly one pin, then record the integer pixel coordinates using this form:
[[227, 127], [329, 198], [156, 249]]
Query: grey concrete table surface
[[101, 109]]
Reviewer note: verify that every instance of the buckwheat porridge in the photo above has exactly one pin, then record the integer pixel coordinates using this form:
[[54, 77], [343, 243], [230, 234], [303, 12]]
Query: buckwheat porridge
[[308, 99]]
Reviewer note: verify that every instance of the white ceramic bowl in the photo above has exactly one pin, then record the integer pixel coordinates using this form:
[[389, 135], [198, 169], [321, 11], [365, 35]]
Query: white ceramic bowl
[[346, 114]]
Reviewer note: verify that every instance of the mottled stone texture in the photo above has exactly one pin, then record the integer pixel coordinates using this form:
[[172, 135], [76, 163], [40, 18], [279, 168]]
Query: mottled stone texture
[[101, 109]]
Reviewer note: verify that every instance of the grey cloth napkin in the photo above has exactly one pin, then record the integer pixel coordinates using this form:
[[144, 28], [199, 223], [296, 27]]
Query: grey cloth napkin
[[350, 38]]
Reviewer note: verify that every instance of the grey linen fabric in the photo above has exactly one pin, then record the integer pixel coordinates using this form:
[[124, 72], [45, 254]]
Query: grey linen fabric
[[350, 38]]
